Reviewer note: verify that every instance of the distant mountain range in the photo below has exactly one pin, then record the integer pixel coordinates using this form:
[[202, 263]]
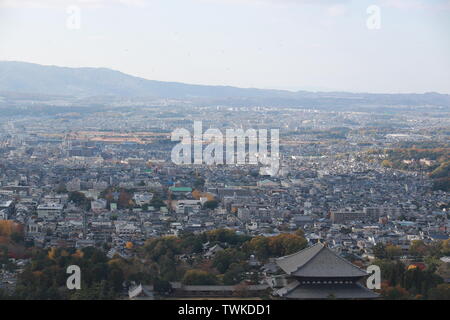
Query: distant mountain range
[[28, 78]]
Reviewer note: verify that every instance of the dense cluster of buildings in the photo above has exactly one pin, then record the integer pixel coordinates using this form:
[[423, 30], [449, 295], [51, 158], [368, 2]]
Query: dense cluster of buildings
[[91, 189]]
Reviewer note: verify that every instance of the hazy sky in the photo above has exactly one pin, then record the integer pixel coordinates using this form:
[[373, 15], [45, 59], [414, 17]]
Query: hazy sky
[[283, 44]]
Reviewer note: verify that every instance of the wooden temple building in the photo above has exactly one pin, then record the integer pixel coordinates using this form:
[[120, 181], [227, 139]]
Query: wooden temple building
[[317, 272]]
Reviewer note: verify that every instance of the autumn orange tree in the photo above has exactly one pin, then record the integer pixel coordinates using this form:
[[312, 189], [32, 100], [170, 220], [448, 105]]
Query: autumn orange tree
[[394, 292], [9, 228]]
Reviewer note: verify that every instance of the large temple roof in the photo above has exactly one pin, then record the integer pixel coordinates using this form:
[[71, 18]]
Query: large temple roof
[[296, 290], [319, 261]]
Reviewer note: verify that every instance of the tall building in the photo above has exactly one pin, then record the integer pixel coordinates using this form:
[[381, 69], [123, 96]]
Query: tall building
[[366, 215], [318, 272], [49, 210]]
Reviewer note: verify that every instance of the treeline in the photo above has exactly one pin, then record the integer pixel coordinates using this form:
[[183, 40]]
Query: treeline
[[423, 279], [227, 266], [44, 278], [158, 262], [422, 144], [402, 283], [400, 154], [408, 158]]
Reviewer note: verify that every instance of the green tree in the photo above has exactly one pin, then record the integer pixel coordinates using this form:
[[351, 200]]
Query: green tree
[[162, 287], [199, 277], [379, 250], [223, 259], [211, 204], [234, 274], [440, 292]]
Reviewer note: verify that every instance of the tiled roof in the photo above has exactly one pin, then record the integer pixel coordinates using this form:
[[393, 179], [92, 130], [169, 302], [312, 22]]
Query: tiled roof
[[336, 291], [318, 261]]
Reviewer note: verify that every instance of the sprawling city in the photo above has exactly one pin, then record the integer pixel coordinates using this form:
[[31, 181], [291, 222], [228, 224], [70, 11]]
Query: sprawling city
[[373, 186], [114, 187]]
